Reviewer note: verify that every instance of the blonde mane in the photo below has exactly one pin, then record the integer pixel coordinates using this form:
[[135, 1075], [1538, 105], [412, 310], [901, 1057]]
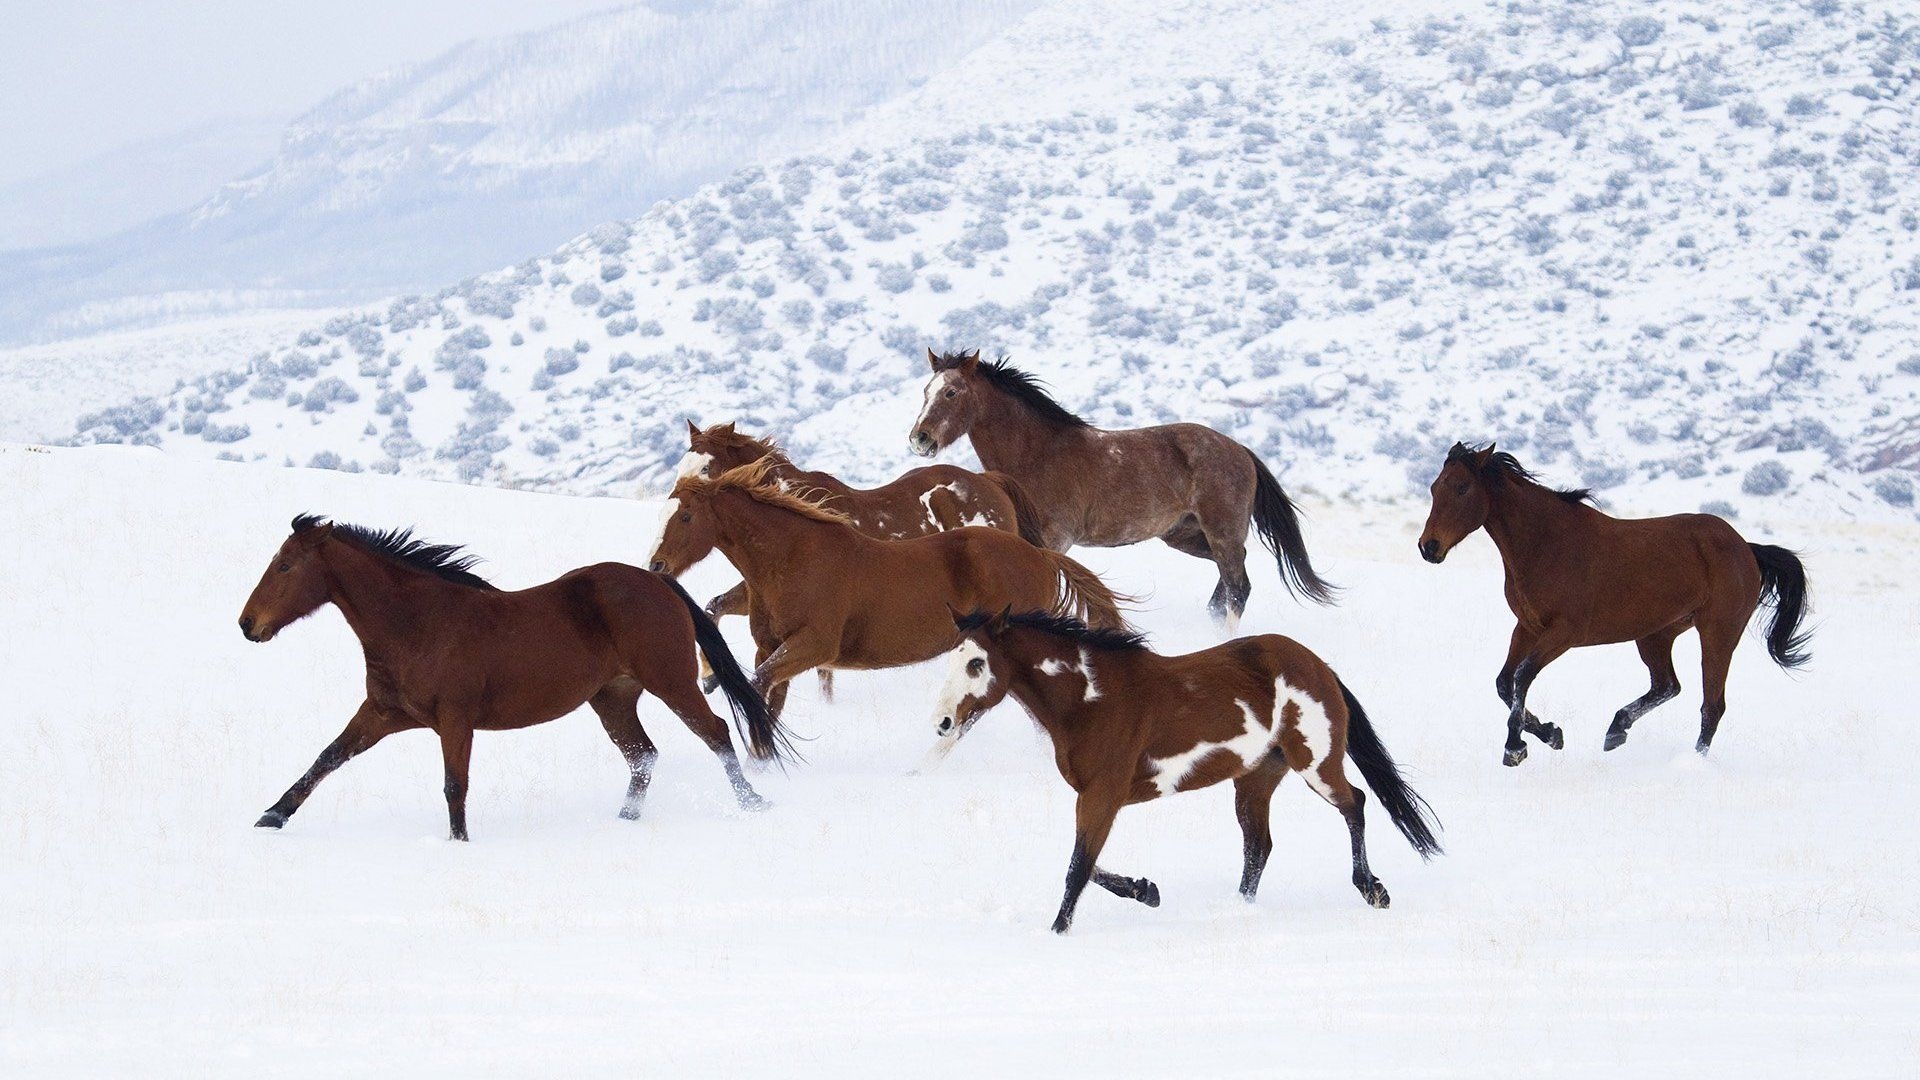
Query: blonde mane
[[755, 480]]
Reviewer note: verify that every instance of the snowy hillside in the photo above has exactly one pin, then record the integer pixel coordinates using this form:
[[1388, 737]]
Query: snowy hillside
[[1643, 912], [502, 147], [1672, 256]]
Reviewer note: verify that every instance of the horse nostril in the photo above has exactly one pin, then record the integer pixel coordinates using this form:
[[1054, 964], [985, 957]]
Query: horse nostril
[[1430, 550], [946, 725], [657, 566], [246, 626]]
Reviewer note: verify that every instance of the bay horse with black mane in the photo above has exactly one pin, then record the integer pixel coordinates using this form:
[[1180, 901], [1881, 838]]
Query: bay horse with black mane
[[447, 651], [1185, 484], [825, 594], [1129, 725], [930, 499], [1578, 577]]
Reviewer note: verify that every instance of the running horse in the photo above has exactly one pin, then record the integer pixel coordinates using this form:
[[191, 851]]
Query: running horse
[[931, 499], [1129, 725], [1577, 577], [1184, 484], [447, 651], [824, 594]]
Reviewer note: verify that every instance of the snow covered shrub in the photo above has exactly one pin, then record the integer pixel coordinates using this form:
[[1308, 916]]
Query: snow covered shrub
[[561, 361], [827, 357], [1894, 489], [585, 294], [469, 372], [622, 361], [893, 277], [797, 313], [1639, 31], [1719, 508], [612, 271], [984, 234], [1804, 105], [1766, 478], [622, 326], [537, 324], [1774, 36], [299, 365], [416, 381], [651, 328], [325, 459], [224, 433], [1748, 113], [715, 265], [328, 391], [390, 402]]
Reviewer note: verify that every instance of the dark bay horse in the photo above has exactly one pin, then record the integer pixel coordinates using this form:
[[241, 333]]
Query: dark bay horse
[[1185, 484], [1129, 725], [447, 651], [825, 594], [1578, 577], [931, 499]]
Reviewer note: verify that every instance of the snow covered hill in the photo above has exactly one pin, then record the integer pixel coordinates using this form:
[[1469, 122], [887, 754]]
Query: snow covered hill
[[1642, 912], [1671, 257], [501, 147]]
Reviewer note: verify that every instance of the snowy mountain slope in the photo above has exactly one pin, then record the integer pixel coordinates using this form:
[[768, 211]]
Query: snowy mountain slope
[[1673, 258], [1631, 913], [500, 147]]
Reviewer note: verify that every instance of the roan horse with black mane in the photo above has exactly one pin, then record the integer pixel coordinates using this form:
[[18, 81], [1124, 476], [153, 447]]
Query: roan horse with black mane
[[1577, 577], [1129, 725], [1185, 484], [446, 650]]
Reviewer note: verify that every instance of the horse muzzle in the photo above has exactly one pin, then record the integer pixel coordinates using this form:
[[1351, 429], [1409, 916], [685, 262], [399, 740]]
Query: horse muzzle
[[1431, 551], [922, 444], [254, 632]]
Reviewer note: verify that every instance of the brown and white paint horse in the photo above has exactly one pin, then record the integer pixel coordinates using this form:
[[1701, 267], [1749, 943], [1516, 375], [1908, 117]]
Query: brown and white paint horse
[[1129, 725], [1577, 577], [1185, 484], [824, 594]]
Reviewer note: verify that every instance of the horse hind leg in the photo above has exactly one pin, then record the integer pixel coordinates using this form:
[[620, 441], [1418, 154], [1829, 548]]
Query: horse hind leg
[[1252, 805], [1716, 656], [616, 704], [1328, 778], [1130, 888], [1656, 651]]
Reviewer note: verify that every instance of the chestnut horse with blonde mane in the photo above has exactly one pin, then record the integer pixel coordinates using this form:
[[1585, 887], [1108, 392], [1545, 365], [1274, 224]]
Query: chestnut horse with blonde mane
[[824, 594], [931, 499], [1129, 725], [1577, 577], [447, 651], [1187, 485]]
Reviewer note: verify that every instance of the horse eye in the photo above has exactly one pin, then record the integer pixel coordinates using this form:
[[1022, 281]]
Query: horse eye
[[950, 393], [976, 666], [284, 567], [1463, 489], [686, 519]]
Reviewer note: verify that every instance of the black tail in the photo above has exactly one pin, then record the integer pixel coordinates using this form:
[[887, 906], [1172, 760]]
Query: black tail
[[1410, 813], [766, 739], [1279, 525], [1026, 516], [1783, 587]]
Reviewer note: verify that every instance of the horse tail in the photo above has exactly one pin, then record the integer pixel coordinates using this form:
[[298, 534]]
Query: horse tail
[[1084, 596], [1410, 813], [764, 736], [1026, 516], [1783, 587], [1279, 524]]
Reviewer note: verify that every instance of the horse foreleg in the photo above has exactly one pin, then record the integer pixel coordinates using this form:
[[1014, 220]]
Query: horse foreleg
[[1517, 649], [1130, 888], [616, 705], [368, 726], [1526, 656], [1093, 820], [456, 752]]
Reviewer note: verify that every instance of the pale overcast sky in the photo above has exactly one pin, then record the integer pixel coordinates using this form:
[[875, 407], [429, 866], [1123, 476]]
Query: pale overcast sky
[[81, 77]]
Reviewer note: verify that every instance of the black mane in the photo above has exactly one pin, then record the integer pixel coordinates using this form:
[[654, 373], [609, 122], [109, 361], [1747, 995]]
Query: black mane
[[1063, 625], [444, 561], [1504, 466], [1019, 385]]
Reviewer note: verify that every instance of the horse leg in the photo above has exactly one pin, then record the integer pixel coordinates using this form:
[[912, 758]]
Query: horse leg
[[1716, 656], [1252, 802], [693, 710], [1330, 780], [368, 726], [456, 751], [732, 602], [1547, 733], [774, 669], [1516, 679], [616, 706], [1130, 888], [1093, 817], [1656, 651]]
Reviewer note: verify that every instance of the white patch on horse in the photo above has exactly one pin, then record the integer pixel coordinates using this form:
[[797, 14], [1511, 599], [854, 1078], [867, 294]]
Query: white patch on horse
[[1315, 726], [666, 519], [692, 464], [926, 396], [1086, 671], [962, 684], [926, 500], [1252, 744], [1231, 622]]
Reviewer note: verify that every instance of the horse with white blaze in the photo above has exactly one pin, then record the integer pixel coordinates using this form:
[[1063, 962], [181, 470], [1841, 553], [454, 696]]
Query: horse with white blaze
[[1130, 725]]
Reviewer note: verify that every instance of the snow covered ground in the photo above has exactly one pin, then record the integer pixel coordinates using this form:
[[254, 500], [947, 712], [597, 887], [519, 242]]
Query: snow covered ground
[[1645, 912]]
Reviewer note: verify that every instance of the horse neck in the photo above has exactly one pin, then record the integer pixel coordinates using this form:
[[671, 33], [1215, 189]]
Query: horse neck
[[1523, 519], [1054, 702], [755, 536], [385, 603], [1013, 439]]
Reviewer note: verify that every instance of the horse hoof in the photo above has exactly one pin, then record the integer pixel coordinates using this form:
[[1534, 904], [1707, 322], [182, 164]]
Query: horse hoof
[[630, 813], [1514, 756], [1615, 740], [1556, 738], [752, 803], [272, 819], [1376, 895], [1148, 894], [709, 683], [1061, 926], [1701, 748]]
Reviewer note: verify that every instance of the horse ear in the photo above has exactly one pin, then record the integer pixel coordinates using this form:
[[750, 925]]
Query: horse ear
[[1481, 457], [693, 429], [933, 360], [953, 614], [998, 624], [969, 362], [727, 427]]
